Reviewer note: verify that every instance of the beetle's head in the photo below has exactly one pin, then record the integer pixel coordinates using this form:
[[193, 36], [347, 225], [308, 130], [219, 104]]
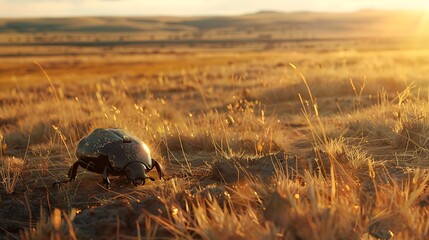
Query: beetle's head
[[136, 172]]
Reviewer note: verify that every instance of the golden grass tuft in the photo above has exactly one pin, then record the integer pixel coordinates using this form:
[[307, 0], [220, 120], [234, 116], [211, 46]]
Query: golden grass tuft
[[11, 170], [58, 226]]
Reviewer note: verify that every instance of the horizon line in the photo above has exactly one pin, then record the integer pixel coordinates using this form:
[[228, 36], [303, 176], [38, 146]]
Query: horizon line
[[268, 11]]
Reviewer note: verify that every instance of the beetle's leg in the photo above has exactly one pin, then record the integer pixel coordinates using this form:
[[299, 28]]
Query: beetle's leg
[[106, 180], [73, 170], [71, 174], [158, 168]]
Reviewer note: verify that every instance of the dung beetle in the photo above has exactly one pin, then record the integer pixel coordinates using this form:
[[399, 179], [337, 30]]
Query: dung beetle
[[114, 152]]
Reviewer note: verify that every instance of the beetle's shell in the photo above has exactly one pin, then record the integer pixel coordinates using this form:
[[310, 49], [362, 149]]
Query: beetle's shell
[[120, 147]]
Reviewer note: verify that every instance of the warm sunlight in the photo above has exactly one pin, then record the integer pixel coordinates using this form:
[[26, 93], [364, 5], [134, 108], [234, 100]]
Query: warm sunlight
[[45, 8], [423, 23], [214, 119]]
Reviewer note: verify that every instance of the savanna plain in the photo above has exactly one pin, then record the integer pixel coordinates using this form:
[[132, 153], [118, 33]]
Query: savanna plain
[[268, 125]]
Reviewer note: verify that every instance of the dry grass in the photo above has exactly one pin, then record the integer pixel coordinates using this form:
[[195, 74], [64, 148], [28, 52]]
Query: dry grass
[[58, 226], [10, 171], [335, 147]]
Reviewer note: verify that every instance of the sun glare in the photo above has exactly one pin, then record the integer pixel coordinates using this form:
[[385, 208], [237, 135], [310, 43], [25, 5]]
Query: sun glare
[[423, 23]]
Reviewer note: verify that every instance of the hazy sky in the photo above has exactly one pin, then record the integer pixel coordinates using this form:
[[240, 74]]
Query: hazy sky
[[45, 8]]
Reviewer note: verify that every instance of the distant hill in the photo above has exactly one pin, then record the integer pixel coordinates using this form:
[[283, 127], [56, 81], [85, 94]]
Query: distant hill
[[308, 24]]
